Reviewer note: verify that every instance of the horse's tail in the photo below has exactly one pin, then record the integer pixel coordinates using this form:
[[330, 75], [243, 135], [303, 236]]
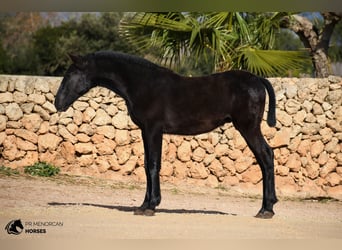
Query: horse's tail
[[271, 115]]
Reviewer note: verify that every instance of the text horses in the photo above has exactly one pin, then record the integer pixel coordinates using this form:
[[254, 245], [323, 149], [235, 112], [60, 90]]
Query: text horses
[[160, 101]]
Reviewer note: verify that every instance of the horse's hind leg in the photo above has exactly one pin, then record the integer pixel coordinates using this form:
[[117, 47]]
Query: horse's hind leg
[[264, 156]]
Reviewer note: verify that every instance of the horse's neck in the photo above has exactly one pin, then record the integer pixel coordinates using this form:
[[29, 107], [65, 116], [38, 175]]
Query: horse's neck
[[111, 85], [115, 81]]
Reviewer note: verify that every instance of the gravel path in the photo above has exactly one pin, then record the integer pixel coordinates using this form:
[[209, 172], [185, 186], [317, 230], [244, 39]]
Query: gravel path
[[67, 207]]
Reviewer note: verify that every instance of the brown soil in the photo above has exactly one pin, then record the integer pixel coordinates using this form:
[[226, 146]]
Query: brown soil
[[100, 209]]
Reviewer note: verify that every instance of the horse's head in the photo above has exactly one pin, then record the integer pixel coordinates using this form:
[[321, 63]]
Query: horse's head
[[75, 83], [14, 227]]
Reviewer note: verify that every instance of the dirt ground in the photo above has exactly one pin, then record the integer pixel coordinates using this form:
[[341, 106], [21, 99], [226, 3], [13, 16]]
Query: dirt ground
[[66, 207]]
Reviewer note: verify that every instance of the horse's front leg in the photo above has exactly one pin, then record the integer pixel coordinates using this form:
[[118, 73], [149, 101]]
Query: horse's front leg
[[152, 146]]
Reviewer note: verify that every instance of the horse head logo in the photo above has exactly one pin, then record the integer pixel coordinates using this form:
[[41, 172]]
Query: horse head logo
[[14, 227]]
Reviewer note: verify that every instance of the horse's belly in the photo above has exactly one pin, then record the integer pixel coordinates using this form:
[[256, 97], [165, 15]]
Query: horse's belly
[[192, 127]]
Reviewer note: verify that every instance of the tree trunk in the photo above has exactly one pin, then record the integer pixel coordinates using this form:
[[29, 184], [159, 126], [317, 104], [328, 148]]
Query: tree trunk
[[321, 63], [315, 40]]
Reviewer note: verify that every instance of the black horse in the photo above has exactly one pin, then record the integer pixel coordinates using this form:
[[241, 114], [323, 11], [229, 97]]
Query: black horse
[[160, 101]]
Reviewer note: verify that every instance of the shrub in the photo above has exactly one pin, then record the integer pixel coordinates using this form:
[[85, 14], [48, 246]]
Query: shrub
[[42, 169]]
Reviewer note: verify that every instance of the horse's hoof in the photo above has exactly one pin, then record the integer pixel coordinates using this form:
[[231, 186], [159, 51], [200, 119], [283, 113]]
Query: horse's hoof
[[139, 211], [146, 212], [265, 215], [149, 212]]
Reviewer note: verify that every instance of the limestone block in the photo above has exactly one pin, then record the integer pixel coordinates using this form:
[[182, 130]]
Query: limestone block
[[184, 151], [84, 148], [6, 97], [14, 112], [120, 120], [31, 122], [198, 154], [316, 148], [102, 118], [123, 153], [48, 142], [197, 170]]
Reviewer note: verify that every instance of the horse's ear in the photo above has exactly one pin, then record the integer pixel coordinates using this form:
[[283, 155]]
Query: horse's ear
[[79, 61]]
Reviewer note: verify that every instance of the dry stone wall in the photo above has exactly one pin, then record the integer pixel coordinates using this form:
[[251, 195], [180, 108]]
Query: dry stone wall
[[96, 137]]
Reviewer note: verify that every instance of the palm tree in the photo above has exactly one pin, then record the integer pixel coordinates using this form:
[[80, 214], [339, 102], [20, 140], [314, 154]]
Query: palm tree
[[234, 40]]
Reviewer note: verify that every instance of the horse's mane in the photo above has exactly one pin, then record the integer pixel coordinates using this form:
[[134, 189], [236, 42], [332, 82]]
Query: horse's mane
[[132, 59]]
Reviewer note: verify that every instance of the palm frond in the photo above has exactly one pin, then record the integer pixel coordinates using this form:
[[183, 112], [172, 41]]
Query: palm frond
[[232, 39], [241, 26], [167, 31], [221, 19], [271, 62]]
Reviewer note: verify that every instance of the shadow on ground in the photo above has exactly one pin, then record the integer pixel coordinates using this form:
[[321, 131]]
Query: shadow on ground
[[132, 209]]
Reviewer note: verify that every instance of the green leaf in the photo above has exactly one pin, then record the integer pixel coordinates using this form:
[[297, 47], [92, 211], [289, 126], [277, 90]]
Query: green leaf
[[42, 169], [234, 40], [271, 62]]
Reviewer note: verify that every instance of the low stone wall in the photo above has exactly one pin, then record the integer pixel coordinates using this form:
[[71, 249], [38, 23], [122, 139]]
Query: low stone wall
[[96, 137]]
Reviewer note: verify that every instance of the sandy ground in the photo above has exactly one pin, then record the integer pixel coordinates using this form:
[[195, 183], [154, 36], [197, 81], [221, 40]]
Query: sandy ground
[[88, 208]]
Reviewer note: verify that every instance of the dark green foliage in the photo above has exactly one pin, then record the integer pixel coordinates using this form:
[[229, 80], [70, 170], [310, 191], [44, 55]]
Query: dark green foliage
[[287, 40], [45, 46], [232, 40], [3, 59], [201, 43], [44, 50], [89, 34], [335, 49], [42, 169]]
